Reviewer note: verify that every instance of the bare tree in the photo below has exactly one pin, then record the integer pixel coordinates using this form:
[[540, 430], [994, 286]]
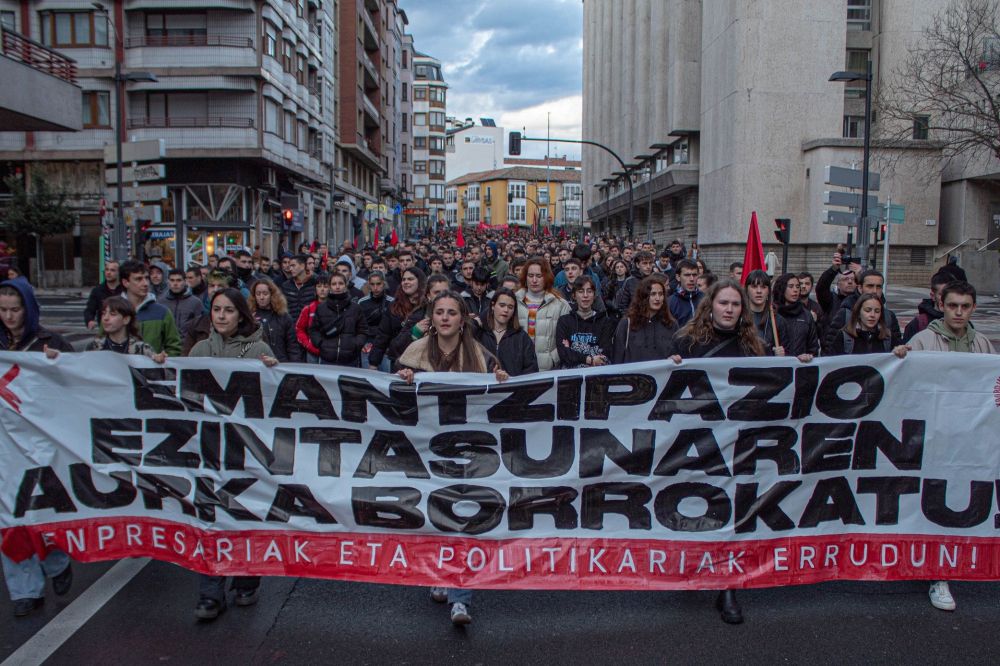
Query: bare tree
[[948, 87]]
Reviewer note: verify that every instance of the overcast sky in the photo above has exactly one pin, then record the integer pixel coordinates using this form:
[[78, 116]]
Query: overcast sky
[[511, 60]]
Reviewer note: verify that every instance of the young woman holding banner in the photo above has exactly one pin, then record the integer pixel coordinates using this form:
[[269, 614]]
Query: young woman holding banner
[[646, 331], [866, 331], [450, 346]]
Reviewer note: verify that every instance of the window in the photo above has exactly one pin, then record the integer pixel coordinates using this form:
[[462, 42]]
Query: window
[[300, 8], [272, 117], [287, 56], [406, 59], [854, 126], [300, 68], [437, 119], [516, 190], [437, 143], [404, 153], [420, 143], [177, 25], [516, 213], [543, 196], [420, 192], [303, 143], [419, 166], [270, 40], [437, 167], [921, 128], [96, 109], [857, 60], [289, 132], [438, 95], [859, 15], [419, 93], [437, 192], [7, 21], [419, 119], [406, 92], [405, 124], [67, 29], [421, 71]]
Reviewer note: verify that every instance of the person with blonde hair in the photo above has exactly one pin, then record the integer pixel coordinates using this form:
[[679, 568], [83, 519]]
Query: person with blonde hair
[[539, 307], [270, 311]]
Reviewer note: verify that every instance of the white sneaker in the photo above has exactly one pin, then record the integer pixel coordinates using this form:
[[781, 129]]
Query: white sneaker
[[460, 614], [439, 594], [941, 596]]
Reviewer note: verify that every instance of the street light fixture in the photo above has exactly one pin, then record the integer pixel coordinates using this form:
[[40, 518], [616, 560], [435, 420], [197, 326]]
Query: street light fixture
[[863, 229], [120, 79]]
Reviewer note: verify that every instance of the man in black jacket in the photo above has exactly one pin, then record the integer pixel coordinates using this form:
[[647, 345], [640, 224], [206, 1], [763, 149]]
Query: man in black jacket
[[299, 289], [929, 309], [111, 286], [373, 307]]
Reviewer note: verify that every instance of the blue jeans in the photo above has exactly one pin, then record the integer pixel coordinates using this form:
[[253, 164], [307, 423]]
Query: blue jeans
[[459, 596], [26, 580]]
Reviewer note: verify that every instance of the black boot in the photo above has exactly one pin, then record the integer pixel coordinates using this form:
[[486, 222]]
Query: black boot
[[729, 608], [208, 609]]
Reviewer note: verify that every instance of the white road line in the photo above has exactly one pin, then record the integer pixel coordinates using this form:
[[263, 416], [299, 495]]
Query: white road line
[[50, 638]]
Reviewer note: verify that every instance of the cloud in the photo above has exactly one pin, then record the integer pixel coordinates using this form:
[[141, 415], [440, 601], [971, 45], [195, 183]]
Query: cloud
[[514, 60]]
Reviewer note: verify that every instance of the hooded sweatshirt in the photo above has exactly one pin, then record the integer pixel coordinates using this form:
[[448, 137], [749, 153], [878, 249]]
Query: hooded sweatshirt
[[33, 337], [937, 337], [955, 343], [159, 289], [157, 326], [356, 282]]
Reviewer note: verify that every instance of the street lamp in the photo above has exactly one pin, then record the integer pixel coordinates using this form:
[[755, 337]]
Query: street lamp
[[120, 79], [866, 76]]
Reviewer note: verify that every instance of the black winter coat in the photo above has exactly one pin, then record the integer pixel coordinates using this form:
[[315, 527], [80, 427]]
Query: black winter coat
[[298, 297], [404, 338], [577, 338], [866, 342], [926, 313], [373, 310], [92, 312], [687, 347], [388, 329], [339, 331], [652, 342], [516, 351], [797, 331], [839, 320], [279, 333]]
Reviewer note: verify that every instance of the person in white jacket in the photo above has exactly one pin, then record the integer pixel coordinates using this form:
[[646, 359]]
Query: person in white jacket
[[539, 307]]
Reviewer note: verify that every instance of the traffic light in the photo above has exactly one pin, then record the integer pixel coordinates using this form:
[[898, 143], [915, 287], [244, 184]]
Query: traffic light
[[146, 230], [287, 217], [784, 230], [515, 143], [881, 231]]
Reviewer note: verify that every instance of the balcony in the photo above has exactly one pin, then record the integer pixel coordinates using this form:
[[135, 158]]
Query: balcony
[[208, 39], [371, 78], [139, 122], [372, 115], [39, 89], [370, 32]]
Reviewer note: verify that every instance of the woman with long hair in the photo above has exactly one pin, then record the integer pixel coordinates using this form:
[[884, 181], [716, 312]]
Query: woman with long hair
[[646, 332], [797, 330], [539, 307], [409, 297], [866, 331], [418, 322], [270, 311], [501, 334], [339, 329], [758, 291], [618, 275], [235, 334], [450, 346]]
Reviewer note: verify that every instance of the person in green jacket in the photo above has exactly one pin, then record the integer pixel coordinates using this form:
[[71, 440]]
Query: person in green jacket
[[156, 324]]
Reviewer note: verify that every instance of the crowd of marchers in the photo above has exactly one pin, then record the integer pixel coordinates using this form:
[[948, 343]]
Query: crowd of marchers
[[489, 303]]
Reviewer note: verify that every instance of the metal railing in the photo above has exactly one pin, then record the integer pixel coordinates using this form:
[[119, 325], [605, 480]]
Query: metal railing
[[237, 41], [37, 56], [949, 251], [139, 122]]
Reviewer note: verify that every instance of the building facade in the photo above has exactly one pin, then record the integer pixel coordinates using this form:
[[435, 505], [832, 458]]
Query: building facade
[[517, 197], [723, 109], [428, 131], [472, 147]]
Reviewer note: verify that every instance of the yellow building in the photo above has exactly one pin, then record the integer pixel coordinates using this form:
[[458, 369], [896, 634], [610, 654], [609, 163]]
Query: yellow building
[[515, 196]]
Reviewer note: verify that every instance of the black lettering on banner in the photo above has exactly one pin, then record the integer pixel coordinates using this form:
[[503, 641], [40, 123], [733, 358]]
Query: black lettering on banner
[[749, 450], [441, 509], [329, 440], [210, 443], [756, 405], [596, 444], [240, 438], [718, 507], [389, 508], [293, 499], [600, 398], [106, 446], [703, 401], [707, 459], [452, 400], [750, 506], [905, 453], [632, 504], [517, 408], [196, 385], [872, 386], [153, 389], [81, 477], [53, 495], [475, 447], [826, 447], [314, 399], [168, 452], [514, 453], [887, 491], [832, 499], [208, 495], [391, 452], [157, 487], [555, 501], [568, 391], [398, 408], [806, 385], [934, 504]]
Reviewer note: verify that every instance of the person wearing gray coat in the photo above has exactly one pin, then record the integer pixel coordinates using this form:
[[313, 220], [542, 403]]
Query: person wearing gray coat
[[183, 305]]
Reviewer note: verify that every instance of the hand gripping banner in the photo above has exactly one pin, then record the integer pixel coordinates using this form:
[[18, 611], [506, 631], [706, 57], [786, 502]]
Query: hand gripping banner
[[721, 473]]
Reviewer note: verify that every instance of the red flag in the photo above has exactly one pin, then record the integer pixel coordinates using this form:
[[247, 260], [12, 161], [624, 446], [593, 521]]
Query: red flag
[[394, 239], [378, 230], [753, 258], [459, 239]]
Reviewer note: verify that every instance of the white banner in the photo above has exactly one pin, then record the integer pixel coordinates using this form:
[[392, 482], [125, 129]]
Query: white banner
[[714, 473]]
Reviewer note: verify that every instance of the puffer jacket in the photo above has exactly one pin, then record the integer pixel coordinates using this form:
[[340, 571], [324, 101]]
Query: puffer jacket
[[797, 331], [185, 307], [236, 346], [546, 320], [683, 305], [339, 331], [279, 333], [652, 342], [515, 351], [298, 296]]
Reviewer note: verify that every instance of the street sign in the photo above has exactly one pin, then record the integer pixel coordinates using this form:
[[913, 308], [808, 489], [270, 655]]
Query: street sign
[[895, 215], [847, 199], [141, 193], [844, 177], [397, 209], [840, 218], [150, 213], [136, 151], [139, 173], [161, 234]]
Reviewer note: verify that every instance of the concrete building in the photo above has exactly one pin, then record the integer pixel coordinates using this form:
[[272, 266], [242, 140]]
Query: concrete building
[[722, 109], [244, 100], [428, 131], [517, 197], [405, 130], [473, 147]]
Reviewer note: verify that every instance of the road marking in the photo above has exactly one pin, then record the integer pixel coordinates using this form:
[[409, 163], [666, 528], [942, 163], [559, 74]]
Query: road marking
[[50, 638]]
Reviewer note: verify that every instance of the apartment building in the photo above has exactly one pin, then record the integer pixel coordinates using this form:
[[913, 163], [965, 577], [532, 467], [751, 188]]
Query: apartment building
[[473, 147], [722, 109], [517, 196], [428, 130], [243, 99]]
